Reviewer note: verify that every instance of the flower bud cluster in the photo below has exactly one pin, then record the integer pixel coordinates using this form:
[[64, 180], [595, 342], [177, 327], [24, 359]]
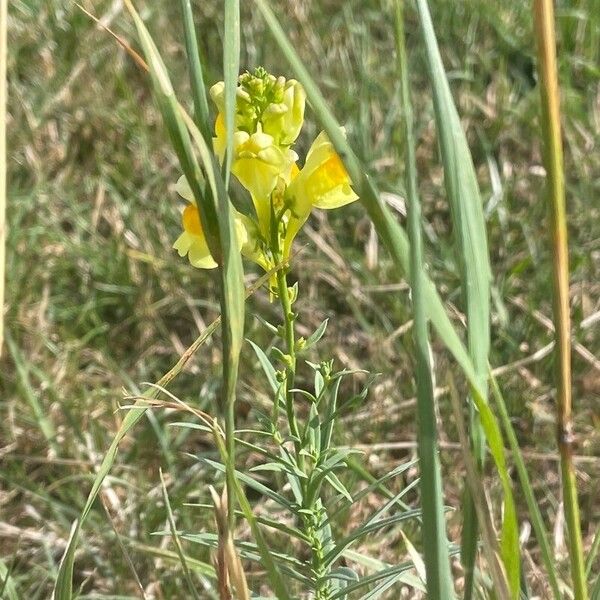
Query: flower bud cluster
[[269, 115]]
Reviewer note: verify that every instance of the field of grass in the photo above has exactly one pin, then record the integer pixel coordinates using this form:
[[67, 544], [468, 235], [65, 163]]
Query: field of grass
[[98, 303]]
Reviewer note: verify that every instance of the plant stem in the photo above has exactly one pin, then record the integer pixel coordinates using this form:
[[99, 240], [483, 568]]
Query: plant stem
[[435, 544], [315, 519], [543, 12], [290, 367]]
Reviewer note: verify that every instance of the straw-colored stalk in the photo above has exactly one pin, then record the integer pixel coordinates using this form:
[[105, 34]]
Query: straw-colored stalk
[[3, 52], [543, 12]]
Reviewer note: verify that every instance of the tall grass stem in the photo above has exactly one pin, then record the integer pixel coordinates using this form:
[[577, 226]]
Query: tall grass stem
[[543, 12], [435, 543]]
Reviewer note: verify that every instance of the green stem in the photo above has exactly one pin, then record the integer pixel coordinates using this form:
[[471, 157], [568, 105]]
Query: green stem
[[290, 367], [435, 543], [543, 11], [313, 521]]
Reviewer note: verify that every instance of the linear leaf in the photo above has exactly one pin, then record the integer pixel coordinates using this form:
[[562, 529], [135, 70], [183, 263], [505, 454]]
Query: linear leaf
[[197, 85], [267, 367], [366, 529], [472, 251], [435, 541], [255, 485]]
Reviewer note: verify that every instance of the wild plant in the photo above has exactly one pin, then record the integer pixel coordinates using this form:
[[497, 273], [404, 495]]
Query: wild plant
[[295, 533]]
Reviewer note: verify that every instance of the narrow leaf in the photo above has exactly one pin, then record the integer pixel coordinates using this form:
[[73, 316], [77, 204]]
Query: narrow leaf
[[435, 541]]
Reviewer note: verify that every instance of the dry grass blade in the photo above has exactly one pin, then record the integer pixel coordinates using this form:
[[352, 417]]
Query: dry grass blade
[[123, 43], [229, 565], [543, 11]]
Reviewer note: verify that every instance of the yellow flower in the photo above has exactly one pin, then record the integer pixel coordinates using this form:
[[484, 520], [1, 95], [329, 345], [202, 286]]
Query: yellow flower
[[323, 182], [284, 120], [266, 103], [257, 160], [192, 241], [259, 165], [182, 187]]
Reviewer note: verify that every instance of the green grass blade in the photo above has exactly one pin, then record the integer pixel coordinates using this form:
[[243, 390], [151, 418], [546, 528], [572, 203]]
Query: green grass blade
[[435, 542], [472, 251], [465, 203], [231, 67], [232, 297], [532, 505], [201, 114]]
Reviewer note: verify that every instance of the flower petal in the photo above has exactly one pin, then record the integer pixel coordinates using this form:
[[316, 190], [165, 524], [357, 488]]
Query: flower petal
[[199, 254], [182, 187], [192, 241]]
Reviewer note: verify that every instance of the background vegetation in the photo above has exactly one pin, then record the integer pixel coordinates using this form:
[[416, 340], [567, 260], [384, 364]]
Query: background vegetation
[[97, 300]]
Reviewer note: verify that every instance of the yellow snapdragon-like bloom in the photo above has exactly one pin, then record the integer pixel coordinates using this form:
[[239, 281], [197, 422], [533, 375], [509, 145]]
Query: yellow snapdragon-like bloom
[[268, 119], [269, 115], [192, 242], [267, 103], [284, 120], [257, 161], [259, 164], [323, 182]]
